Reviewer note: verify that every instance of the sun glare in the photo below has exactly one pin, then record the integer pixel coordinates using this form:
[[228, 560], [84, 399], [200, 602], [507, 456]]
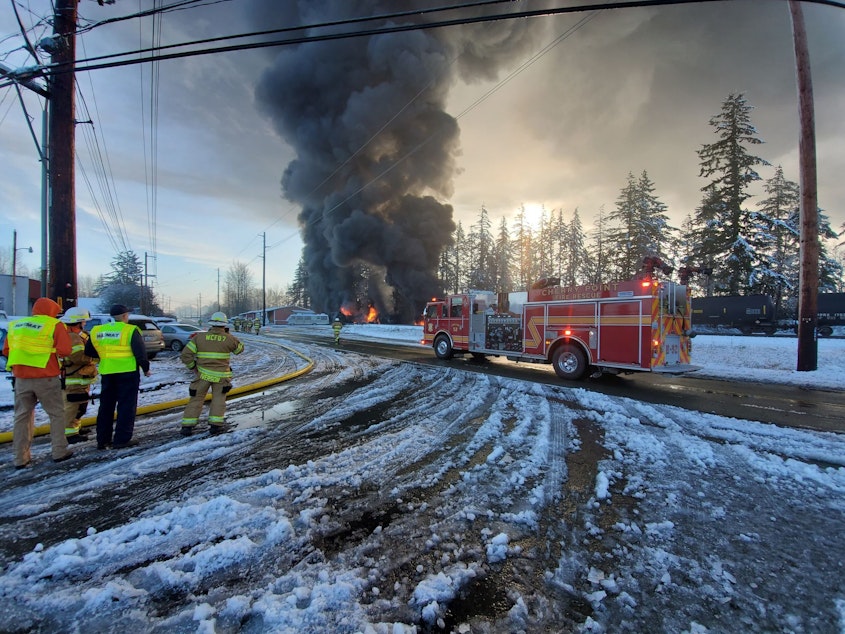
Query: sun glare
[[533, 215]]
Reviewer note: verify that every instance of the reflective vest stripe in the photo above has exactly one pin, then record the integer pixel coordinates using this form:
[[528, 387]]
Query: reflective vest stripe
[[73, 380], [113, 343], [212, 355], [213, 376], [31, 341]]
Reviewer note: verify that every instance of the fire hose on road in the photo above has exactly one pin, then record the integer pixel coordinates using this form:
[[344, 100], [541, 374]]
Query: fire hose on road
[[42, 430]]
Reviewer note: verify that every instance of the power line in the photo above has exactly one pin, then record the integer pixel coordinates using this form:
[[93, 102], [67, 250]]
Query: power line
[[315, 219], [56, 69]]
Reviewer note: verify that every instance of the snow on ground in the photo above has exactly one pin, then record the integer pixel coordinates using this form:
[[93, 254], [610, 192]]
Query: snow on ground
[[693, 476]]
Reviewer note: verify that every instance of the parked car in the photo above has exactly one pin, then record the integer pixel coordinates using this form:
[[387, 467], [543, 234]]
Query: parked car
[[4, 329], [153, 339], [97, 320], [177, 336]]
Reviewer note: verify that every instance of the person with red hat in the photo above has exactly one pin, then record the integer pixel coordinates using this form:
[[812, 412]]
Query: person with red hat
[[34, 346]]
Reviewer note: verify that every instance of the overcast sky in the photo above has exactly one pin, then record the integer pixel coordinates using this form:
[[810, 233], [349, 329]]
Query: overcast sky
[[629, 90]]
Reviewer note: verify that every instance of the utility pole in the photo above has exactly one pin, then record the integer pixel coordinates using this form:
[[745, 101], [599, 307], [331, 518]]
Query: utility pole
[[264, 280], [61, 230], [218, 289], [808, 348], [146, 295]]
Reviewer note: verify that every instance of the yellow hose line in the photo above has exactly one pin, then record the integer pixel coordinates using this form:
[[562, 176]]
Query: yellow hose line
[[43, 430]]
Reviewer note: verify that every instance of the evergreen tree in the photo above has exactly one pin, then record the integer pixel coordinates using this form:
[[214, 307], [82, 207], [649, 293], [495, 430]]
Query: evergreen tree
[[544, 247], [777, 267], [598, 250], [725, 229], [639, 227], [502, 254], [559, 243], [830, 267], [461, 260], [481, 252], [577, 269], [123, 284], [452, 269], [527, 271], [297, 291]]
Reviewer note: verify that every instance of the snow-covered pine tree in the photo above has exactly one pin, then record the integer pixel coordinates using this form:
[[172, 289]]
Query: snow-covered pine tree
[[639, 227], [725, 229]]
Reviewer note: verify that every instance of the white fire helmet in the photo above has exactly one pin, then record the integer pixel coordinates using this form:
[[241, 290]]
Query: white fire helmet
[[219, 319], [75, 315]]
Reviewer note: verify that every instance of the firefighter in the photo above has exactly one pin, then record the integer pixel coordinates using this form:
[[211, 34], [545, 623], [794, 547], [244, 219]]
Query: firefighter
[[256, 325], [34, 346], [80, 372], [337, 327], [207, 354]]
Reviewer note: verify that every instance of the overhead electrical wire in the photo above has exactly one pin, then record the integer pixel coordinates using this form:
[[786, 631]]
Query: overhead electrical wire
[[111, 218], [151, 160], [88, 65], [522, 67], [156, 55], [115, 225]]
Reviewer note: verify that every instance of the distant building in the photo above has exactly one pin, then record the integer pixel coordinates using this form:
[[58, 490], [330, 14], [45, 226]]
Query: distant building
[[25, 292]]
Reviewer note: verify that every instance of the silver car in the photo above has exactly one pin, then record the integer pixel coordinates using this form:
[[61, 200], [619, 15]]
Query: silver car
[[177, 336]]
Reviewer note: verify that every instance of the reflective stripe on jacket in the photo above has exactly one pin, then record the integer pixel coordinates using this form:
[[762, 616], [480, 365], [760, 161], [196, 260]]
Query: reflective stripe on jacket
[[113, 343], [31, 341], [208, 353], [80, 369]]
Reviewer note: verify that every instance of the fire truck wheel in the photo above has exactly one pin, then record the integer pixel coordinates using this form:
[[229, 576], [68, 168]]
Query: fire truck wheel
[[569, 362], [443, 347]]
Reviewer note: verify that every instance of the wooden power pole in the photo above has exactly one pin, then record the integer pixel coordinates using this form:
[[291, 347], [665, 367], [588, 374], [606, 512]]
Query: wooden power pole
[[61, 226], [808, 351]]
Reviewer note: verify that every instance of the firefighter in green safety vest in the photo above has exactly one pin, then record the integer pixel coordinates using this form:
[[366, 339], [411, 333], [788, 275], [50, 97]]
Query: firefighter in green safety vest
[[256, 324], [80, 373], [207, 354]]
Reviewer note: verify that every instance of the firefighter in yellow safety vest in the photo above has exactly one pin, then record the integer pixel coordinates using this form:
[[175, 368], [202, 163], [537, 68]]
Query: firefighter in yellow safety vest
[[80, 373], [336, 327], [34, 347], [207, 354], [122, 353]]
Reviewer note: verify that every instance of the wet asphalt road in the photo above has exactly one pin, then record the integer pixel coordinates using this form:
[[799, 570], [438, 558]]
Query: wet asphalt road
[[784, 405]]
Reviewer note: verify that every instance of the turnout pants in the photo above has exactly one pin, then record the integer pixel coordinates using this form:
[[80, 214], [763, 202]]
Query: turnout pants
[[76, 404], [197, 390], [29, 392]]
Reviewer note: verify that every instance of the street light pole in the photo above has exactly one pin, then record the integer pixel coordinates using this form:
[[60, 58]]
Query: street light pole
[[15, 250]]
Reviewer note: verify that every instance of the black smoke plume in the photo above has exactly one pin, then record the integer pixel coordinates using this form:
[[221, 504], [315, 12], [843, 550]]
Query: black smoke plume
[[375, 147]]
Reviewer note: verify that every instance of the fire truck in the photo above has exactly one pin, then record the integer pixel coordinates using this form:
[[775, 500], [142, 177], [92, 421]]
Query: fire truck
[[642, 325]]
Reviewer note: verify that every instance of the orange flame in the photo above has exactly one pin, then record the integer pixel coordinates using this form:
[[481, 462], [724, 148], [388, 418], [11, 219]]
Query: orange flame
[[346, 311], [372, 315]]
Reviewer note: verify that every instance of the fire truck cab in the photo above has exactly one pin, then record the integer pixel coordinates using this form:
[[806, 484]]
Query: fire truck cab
[[634, 326]]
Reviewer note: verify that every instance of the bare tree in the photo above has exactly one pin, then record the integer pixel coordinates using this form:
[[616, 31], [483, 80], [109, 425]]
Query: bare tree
[[238, 288]]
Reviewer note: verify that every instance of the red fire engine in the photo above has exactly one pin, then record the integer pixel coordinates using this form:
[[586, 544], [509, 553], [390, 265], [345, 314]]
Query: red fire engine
[[635, 326]]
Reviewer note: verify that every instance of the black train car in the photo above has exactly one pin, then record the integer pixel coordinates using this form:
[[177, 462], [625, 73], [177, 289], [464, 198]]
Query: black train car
[[831, 312], [747, 313]]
